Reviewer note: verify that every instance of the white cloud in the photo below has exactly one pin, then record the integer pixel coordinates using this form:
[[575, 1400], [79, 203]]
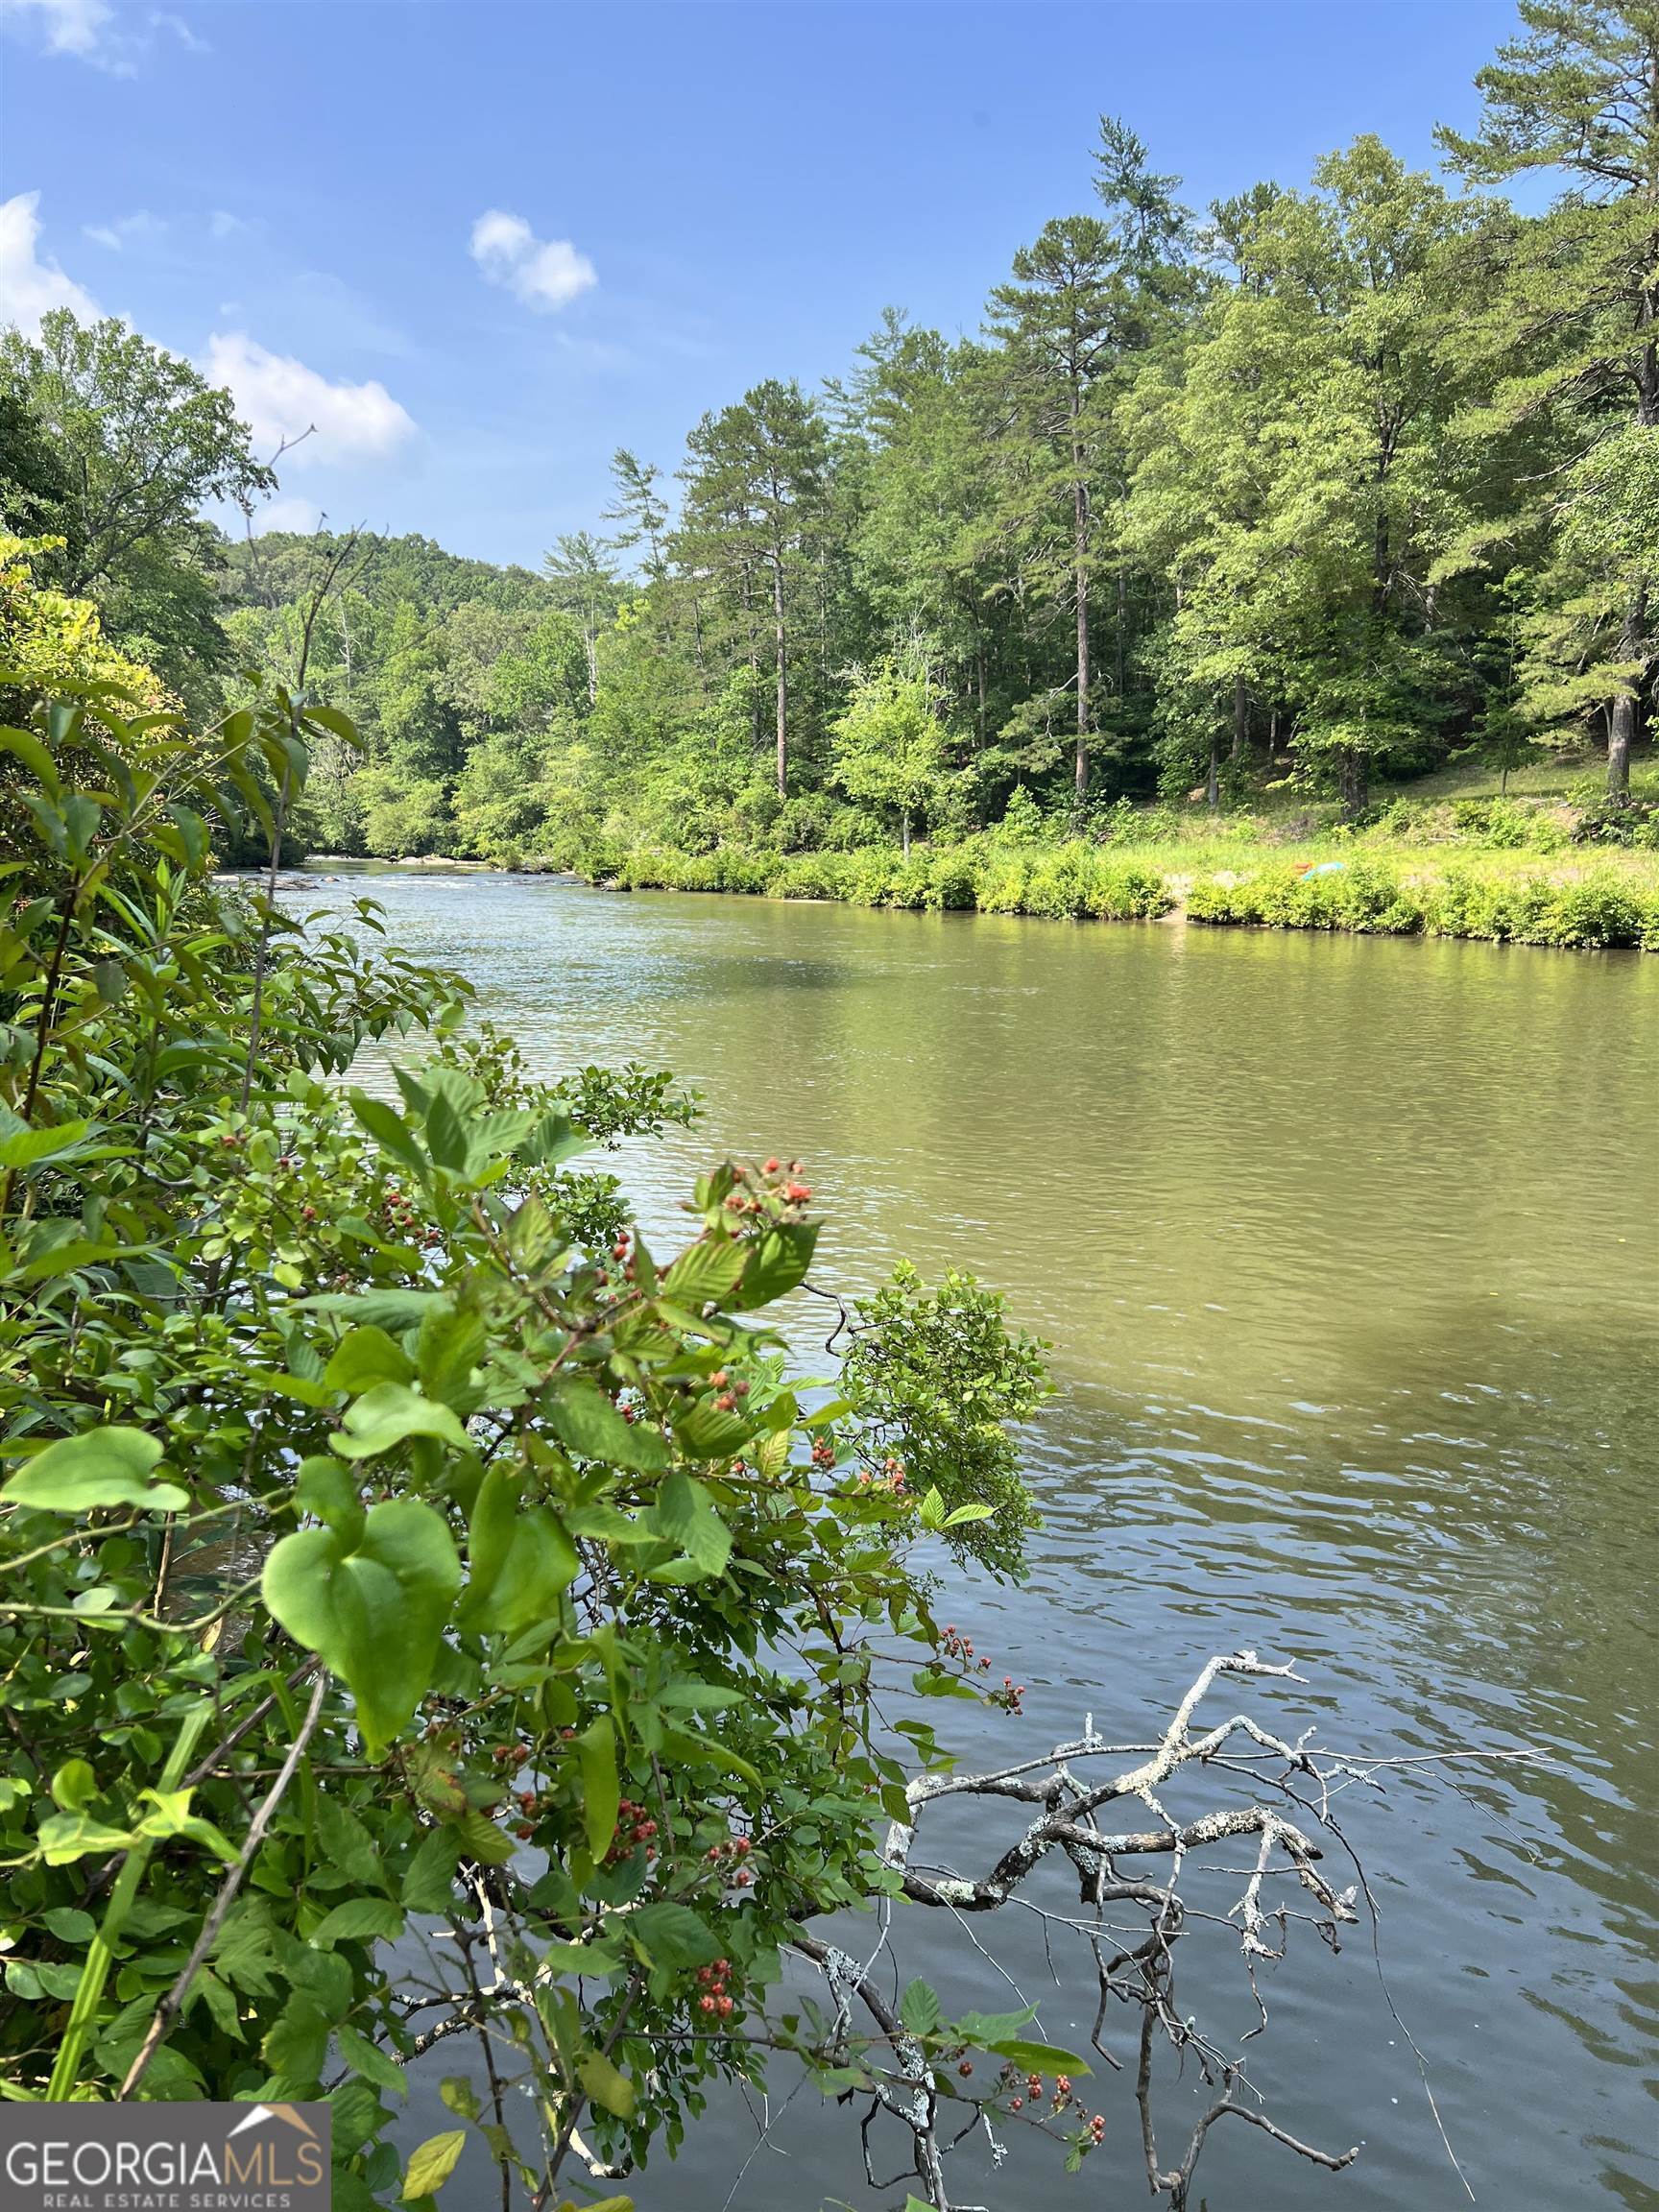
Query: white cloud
[[68, 26], [125, 230], [544, 272], [224, 224], [29, 286], [89, 31], [283, 399]]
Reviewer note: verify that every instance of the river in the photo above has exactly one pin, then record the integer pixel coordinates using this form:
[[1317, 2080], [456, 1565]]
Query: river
[[1348, 1250]]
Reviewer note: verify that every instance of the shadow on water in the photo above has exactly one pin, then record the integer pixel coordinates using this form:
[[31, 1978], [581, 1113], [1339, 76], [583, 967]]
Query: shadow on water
[[1349, 1253]]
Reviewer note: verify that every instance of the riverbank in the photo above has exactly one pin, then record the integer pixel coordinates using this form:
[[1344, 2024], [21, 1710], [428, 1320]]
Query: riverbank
[[1581, 899]]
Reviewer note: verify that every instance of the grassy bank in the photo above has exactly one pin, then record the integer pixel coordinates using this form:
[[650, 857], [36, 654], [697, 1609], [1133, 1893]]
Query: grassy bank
[[1572, 896]]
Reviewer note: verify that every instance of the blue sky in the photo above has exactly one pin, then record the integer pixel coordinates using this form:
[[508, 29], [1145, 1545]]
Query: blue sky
[[481, 245]]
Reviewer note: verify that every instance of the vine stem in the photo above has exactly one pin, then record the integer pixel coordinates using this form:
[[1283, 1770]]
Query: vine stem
[[101, 1953], [172, 2003]]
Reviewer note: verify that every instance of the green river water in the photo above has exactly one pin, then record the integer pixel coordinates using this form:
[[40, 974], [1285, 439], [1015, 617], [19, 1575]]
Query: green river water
[[1349, 1254]]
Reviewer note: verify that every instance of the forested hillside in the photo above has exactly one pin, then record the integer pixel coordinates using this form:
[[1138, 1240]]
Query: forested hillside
[[1311, 491]]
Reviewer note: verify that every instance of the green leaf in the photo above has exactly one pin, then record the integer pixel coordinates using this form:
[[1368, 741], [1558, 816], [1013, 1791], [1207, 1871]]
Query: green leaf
[[297, 2042], [433, 2163], [371, 2061], [984, 2028], [777, 1263], [33, 755], [605, 2085], [70, 1925], [555, 1137], [99, 1467], [1039, 2058], [74, 1786], [582, 1418], [705, 1272], [24, 1146], [66, 1837], [918, 2009], [324, 1488], [698, 1697], [390, 1412], [429, 1883], [365, 1356], [601, 1790], [687, 1516], [390, 1131], [373, 1613], [672, 1934], [706, 1433], [359, 1920], [521, 1561]]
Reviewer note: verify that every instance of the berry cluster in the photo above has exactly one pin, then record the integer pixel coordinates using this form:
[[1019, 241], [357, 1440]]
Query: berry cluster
[[1009, 1695], [956, 1645], [822, 1454], [733, 1853], [397, 1217], [634, 1828], [716, 1999], [1028, 2095], [731, 1390], [774, 1190]]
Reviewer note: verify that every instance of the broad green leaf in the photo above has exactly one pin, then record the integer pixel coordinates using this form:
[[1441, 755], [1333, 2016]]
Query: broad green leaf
[[519, 1560], [99, 1467], [297, 2042], [387, 1414], [671, 1934], [705, 1272], [365, 1356], [373, 1613], [581, 1416], [66, 1837], [777, 1264], [24, 1146], [686, 1517], [390, 1131], [433, 2163], [1037, 2057], [359, 1920], [553, 1139], [601, 1790], [698, 1697], [605, 2085], [918, 2009]]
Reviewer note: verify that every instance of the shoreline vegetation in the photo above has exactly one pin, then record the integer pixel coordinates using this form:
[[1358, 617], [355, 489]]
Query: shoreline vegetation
[[1497, 869]]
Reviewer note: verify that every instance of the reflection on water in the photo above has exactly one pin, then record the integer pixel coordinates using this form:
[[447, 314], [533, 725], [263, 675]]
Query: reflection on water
[[1348, 1254]]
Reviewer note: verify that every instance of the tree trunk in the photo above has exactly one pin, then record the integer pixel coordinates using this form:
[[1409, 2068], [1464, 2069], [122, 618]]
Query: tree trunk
[[1212, 781], [1241, 718], [1356, 774], [1622, 719], [904, 833], [781, 641], [1080, 570]]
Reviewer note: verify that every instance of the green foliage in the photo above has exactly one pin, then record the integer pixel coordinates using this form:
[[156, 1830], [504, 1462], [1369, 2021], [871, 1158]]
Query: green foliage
[[941, 1378], [367, 1468], [1591, 912], [889, 746], [135, 442]]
